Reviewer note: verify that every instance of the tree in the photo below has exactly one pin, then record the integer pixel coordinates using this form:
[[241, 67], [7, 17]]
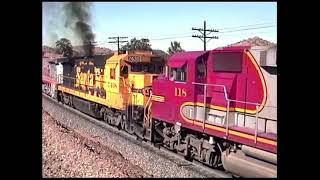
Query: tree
[[161, 53], [175, 47], [64, 46], [135, 44]]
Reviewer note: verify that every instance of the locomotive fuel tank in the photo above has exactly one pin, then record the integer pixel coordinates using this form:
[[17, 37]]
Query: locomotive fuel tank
[[246, 166]]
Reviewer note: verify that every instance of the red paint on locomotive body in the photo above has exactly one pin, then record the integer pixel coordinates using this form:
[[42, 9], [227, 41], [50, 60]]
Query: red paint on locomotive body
[[48, 79], [170, 109], [234, 68], [243, 83]]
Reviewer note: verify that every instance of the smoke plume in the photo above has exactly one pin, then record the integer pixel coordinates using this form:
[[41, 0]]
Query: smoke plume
[[78, 19], [50, 23]]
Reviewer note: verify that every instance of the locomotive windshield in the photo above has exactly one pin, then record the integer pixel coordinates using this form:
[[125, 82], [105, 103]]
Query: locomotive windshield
[[228, 62], [153, 68]]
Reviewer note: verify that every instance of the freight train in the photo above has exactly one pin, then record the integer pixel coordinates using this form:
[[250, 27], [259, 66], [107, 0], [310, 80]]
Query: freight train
[[210, 106]]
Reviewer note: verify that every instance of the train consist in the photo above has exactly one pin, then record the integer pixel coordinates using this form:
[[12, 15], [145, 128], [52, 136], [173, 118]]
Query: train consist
[[210, 106]]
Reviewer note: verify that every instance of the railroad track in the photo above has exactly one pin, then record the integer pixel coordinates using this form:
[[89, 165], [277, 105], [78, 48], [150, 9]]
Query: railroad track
[[167, 154]]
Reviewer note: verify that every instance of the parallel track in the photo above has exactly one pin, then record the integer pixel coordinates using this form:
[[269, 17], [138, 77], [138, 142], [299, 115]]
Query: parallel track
[[209, 172]]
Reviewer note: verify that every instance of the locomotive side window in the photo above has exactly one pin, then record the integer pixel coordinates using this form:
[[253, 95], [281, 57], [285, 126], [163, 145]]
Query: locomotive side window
[[201, 68], [149, 68], [179, 74], [145, 67], [112, 73], [136, 67], [229, 62]]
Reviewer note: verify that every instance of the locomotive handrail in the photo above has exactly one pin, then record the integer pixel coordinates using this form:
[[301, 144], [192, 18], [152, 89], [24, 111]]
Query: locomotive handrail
[[225, 93], [257, 104], [217, 85], [228, 107], [124, 82], [147, 109]]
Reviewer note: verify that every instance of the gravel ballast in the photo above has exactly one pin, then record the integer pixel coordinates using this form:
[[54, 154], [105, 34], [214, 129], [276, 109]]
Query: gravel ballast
[[68, 154], [144, 163]]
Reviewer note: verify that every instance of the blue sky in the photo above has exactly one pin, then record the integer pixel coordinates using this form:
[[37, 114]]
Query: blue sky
[[172, 20]]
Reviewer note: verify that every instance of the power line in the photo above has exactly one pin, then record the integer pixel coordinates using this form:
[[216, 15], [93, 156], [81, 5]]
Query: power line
[[236, 27], [247, 29], [204, 34], [238, 34], [174, 37], [170, 38], [118, 41], [224, 35], [226, 32], [164, 36]]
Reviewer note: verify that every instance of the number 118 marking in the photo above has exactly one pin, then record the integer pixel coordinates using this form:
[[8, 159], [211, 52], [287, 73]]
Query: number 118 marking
[[181, 92]]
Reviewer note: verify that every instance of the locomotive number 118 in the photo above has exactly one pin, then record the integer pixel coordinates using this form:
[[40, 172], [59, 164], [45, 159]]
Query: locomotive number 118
[[180, 92]]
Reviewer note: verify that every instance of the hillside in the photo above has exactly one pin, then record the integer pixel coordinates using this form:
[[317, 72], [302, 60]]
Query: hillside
[[78, 51], [97, 50], [47, 49]]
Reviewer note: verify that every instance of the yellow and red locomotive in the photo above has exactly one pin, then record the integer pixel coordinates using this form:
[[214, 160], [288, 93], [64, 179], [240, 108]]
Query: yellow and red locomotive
[[114, 88], [212, 106]]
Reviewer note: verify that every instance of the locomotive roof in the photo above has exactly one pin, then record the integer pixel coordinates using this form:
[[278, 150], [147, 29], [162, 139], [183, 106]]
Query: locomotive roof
[[187, 55], [96, 58], [236, 48], [180, 58]]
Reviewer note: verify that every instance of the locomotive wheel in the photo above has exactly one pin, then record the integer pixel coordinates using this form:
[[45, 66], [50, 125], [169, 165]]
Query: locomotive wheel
[[118, 121], [109, 120], [186, 154], [123, 123], [129, 127], [60, 97], [66, 99], [105, 117], [211, 158]]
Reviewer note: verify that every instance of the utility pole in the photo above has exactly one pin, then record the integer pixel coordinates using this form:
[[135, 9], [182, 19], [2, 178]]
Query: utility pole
[[118, 41], [204, 35], [89, 47]]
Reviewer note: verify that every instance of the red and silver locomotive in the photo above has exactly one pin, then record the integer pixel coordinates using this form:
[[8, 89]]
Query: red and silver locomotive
[[215, 107]]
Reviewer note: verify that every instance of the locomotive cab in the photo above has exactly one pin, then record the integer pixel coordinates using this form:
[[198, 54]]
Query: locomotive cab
[[138, 70]]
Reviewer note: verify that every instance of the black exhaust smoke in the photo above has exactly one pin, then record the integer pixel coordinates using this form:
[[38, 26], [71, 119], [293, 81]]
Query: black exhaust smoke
[[78, 19]]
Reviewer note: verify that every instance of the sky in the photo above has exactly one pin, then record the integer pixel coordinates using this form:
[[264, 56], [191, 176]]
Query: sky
[[163, 22]]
